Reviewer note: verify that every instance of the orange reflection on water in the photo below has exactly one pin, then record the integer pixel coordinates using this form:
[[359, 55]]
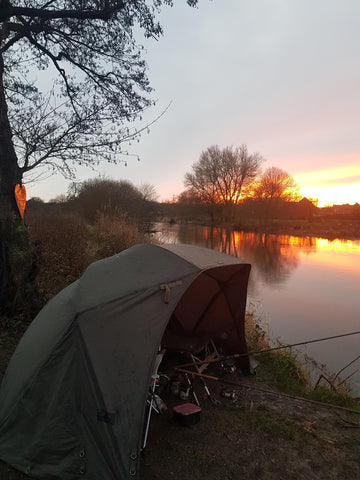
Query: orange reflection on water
[[235, 239], [284, 242], [338, 245], [277, 255], [337, 254]]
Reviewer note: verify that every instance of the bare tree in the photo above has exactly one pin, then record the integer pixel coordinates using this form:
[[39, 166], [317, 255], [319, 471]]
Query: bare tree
[[148, 192], [100, 85], [90, 49], [219, 176], [275, 185]]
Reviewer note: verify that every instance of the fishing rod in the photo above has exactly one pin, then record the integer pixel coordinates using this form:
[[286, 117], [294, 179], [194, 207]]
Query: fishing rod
[[258, 352], [263, 390], [183, 369]]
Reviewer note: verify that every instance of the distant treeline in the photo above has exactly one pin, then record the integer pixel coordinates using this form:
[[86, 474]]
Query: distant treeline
[[138, 205]]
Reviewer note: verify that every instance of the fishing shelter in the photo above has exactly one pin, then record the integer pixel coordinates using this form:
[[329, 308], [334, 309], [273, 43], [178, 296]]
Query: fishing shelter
[[73, 399]]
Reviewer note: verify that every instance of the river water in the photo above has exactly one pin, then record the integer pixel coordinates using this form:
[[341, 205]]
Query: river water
[[304, 288]]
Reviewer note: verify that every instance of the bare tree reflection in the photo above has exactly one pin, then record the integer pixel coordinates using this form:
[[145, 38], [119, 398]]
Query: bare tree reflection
[[273, 257]]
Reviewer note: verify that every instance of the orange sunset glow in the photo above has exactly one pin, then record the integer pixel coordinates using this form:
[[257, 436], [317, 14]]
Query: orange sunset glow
[[333, 186]]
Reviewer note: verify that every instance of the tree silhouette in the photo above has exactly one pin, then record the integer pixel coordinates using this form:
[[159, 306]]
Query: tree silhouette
[[275, 185], [90, 49], [219, 176], [100, 85]]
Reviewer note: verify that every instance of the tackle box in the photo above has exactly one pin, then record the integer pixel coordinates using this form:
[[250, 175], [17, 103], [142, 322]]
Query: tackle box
[[187, 414]]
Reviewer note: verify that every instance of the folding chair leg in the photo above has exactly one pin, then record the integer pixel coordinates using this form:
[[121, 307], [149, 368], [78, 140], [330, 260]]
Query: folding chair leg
[[192, 390]]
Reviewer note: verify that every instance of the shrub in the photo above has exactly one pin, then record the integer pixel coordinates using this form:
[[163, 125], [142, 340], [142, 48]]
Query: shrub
[[62, 249], [115, 233]]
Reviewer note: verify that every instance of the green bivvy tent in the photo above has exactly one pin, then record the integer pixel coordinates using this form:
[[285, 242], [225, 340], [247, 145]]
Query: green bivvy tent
[[73, 399]]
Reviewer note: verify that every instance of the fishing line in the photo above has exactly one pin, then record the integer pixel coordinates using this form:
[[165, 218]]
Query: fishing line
[[263, 390], [182, 369], [281, 394], [301, 343], [258, 352]]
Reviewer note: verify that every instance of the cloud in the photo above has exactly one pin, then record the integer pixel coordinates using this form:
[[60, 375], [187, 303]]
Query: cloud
[[338, 176]]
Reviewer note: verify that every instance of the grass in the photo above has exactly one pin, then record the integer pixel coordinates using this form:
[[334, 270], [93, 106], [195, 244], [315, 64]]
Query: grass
[[283, 369], [286, 371], [326, 395], [271, 424], [289, 375]]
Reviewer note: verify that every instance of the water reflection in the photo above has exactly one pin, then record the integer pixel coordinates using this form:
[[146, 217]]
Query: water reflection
[[273, 257]]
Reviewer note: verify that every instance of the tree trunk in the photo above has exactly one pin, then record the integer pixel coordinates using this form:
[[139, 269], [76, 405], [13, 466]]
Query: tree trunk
[[16, 257], [10, 173]]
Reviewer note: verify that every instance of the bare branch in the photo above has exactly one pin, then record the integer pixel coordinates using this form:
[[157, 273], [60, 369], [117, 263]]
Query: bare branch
[[42, 13], [88, 50]]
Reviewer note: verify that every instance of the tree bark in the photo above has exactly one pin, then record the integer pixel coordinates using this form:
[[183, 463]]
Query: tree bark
[[16, 256], [10, 173]]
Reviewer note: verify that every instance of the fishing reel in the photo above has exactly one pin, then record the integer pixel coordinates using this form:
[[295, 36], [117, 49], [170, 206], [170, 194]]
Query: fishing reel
[[227, 366]]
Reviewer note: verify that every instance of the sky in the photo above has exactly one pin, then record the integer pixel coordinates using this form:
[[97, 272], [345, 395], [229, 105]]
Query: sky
[[281, 76]]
